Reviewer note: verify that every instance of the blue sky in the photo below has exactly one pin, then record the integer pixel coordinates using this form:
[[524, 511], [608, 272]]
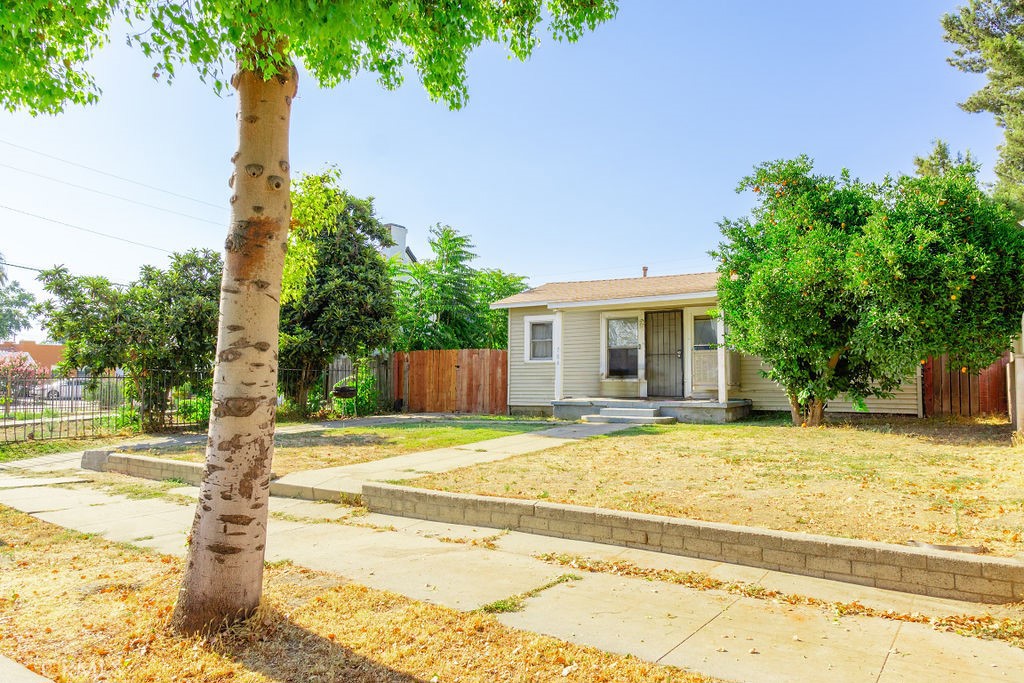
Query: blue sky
[[588, 161]]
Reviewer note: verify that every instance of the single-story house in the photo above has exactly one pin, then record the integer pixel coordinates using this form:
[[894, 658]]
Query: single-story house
[[647, 343]]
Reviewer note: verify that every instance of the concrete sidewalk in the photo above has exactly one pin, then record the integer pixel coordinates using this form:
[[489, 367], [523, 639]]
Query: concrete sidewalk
[[713, 632]]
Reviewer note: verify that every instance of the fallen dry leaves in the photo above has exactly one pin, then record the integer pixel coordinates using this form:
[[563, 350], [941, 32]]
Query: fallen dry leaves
[[1009, 629], [80, 609], [940, 481]]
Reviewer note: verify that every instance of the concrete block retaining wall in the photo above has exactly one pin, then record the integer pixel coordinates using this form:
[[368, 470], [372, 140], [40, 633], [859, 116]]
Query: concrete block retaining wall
[[143, 466], [913, 570], [191, 473]]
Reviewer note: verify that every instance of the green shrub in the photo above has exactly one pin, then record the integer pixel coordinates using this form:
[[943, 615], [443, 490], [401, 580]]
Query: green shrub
[[367, 400], [196, 410]]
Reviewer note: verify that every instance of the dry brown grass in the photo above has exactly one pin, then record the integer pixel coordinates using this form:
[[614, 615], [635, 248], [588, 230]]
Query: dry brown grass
[[80, 609], [936, 481], [352, 445]]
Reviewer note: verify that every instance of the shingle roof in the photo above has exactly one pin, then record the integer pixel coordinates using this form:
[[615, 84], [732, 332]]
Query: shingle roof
[[606, 290]]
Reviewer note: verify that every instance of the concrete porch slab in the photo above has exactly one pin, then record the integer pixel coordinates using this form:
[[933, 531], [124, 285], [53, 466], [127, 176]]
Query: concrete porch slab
[[691, 410]]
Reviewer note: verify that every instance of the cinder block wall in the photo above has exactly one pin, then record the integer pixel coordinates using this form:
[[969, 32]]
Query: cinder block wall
[[143, 466], [913, 570]]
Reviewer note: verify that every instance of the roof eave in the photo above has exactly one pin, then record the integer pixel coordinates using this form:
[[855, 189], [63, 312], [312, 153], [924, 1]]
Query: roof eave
[[660, 298], [592, 303], [527, 304]]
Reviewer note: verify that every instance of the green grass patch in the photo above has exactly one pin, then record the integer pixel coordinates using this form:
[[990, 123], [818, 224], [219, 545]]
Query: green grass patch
[[30, 449], [515, 603], [332, 447]]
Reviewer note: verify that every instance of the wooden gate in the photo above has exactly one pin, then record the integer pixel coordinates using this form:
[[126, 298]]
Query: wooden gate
[[950, 391], [452, 381]]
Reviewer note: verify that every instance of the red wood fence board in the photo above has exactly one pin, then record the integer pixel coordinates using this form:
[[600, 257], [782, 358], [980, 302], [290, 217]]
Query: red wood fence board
[[948, 390], [452, 381]]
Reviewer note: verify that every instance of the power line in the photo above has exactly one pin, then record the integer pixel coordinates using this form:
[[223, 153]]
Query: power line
[[111, 175], [108, 194], [89, 230], [15, 265], [39, 270]]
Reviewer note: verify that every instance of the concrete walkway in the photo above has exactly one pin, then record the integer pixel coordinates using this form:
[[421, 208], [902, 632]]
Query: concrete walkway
[[713, 632], [324, 484]]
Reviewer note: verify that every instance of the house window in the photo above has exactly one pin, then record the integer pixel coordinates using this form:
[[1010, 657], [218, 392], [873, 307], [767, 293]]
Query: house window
[[623, 347], [541, 341], [540, 338], [705, 334]]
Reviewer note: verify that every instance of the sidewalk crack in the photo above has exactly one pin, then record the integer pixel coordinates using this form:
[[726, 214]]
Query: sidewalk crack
[[892, 646], [698, 630]]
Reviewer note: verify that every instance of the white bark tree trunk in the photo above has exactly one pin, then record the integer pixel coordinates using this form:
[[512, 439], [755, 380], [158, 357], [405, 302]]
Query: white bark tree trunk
[[223, 578]]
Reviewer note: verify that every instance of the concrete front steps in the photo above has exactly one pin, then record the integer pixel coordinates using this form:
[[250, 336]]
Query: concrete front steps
[[636, 416]]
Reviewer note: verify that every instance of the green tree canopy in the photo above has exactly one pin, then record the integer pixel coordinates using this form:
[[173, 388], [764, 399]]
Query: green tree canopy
[[161, 329], [336, 296], [988, 36], [940, 161], [15, 309], [84, 313], [842, 287], [943, 263], [44, 52], [47, 45], [444, 303]]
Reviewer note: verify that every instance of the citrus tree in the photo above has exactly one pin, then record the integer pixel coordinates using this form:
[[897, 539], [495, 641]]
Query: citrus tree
[[841, 287], [254, 46]]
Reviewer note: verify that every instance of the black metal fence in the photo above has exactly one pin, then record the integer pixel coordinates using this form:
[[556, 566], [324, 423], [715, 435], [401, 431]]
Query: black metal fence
[[44, 405]]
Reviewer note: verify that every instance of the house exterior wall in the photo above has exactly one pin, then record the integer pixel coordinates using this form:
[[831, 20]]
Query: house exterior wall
[[581, 353], [531, 384], [766, 395], [46, 356]]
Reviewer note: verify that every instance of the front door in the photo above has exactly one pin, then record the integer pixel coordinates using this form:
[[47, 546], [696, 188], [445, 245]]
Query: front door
[[664, 337]]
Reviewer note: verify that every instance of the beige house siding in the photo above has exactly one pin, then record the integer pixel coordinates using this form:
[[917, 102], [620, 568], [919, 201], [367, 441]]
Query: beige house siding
[[530, 384], [534, 383], [581, 354], [766, 395]]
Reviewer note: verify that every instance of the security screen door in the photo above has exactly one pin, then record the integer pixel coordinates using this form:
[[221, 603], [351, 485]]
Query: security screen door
[[664, 332]]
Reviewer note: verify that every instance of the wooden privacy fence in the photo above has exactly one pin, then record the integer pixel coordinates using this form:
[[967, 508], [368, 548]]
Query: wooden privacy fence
[[452, 381], [949, 391]]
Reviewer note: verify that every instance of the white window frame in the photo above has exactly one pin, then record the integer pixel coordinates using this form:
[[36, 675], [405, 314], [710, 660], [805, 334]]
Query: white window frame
[[556, 337]]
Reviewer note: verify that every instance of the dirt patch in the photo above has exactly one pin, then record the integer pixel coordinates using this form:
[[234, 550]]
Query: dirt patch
[[949, 482]]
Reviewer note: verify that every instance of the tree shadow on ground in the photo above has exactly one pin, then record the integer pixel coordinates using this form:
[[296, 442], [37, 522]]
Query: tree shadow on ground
[[987, 431], [271, 644], [321, 437], [949, 431]]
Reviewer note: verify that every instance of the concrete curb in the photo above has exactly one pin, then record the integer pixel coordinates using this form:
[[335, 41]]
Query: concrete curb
[[922, 571], [160, 469]]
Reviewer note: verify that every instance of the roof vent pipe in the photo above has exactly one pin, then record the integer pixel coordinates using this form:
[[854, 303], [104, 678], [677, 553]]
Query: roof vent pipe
[[645, 271]]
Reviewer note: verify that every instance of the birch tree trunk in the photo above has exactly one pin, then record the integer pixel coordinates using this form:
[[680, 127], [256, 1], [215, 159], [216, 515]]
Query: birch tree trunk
[[223, 578]]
